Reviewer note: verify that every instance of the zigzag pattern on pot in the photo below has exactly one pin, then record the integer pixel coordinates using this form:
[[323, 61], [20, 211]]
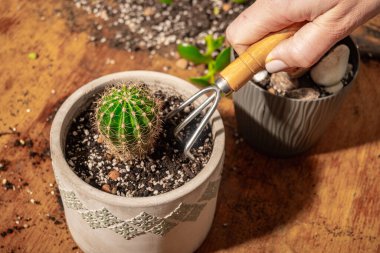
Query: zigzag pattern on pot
[[144, 222]]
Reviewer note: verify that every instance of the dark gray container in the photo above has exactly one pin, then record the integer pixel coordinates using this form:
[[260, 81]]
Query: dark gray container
[[283, 127]]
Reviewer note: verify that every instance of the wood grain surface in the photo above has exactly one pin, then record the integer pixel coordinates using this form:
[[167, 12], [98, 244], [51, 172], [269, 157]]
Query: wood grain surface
[[324, 201], [367, 37]]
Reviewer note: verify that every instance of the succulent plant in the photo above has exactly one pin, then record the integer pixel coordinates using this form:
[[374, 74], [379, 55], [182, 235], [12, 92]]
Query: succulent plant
[[127, 119], [214, 66]]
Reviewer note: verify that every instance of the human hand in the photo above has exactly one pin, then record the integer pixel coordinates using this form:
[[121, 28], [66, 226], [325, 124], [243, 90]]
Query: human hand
[[327, 23]]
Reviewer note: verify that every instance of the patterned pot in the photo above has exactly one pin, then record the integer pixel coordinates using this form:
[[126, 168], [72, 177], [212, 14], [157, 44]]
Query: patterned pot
[[176, 221], [281, 126]]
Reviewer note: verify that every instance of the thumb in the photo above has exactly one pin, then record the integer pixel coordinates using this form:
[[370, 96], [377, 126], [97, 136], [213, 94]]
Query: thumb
[[303, 49]]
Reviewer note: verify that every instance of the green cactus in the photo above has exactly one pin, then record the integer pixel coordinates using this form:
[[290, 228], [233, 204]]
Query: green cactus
[[127, 119]]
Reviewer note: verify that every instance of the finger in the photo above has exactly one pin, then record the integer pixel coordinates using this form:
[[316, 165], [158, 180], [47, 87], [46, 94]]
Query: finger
[[239, 48], [303, 49]]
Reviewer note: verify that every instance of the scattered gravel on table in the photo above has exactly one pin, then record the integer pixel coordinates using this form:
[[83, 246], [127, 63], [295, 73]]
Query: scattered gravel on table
[[4, 164], [7, 185], [17, 228], [54, 219], [149, 24], [23, 143], [164, 169]]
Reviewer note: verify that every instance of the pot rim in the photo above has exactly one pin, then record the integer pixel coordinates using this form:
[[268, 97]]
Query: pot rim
[[348, 41], [166, 80]]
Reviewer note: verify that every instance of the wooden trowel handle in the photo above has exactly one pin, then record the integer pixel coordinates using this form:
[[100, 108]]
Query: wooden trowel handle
[[242, 69]]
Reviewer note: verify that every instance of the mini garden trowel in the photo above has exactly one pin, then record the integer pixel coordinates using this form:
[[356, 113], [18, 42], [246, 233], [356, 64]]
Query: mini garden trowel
[[231, 79]]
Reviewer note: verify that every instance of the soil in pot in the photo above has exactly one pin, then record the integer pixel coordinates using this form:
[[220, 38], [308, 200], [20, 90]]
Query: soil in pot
[[165, 168]]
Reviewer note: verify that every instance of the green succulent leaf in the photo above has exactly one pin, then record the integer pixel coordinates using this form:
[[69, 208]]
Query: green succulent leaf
[[211, 72], [239, 1], [166, 1], [223, 59], [202, 80], [192, 53], [213, 44]]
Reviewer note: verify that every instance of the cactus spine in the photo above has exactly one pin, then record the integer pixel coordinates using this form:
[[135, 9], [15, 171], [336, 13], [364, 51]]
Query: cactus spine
[[127, 118]]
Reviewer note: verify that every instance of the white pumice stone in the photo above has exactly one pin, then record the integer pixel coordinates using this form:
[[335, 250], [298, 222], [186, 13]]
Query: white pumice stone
[[334, 88], [332, 68]]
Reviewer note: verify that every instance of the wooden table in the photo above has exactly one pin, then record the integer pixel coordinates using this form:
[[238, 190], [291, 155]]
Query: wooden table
[[327, 200]]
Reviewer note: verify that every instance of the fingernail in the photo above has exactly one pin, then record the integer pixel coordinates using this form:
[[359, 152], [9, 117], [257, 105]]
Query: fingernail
[[275, 66]]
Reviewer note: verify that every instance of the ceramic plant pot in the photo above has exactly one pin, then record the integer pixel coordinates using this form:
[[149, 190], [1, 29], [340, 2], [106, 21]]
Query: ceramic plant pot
[[281, 126], [176, 221]]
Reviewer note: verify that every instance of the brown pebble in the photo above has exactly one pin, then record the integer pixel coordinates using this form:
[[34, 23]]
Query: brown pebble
[[281, 81], [149, 11], [181, 63], [142, 44], [304, 94], [114, 190], [100, 139], [106, 188], [113, 174], [272, 91], [226, 7]]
